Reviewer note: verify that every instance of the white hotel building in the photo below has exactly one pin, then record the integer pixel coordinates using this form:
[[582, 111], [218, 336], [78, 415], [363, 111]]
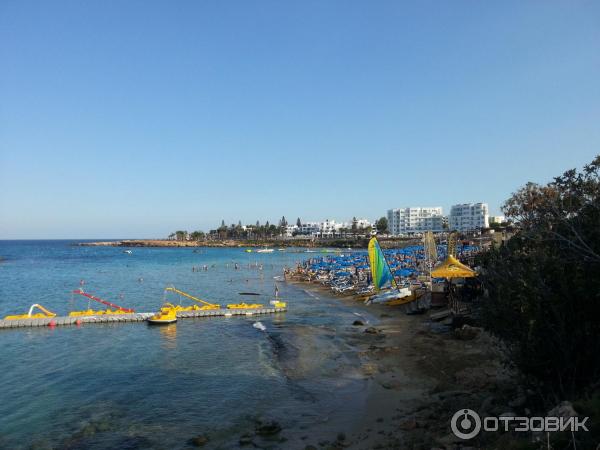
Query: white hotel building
[[328, 228], [468, 217], [415, 220]]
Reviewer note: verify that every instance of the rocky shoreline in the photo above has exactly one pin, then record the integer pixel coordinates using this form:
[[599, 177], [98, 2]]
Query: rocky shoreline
[[276, 243], [419, 373]]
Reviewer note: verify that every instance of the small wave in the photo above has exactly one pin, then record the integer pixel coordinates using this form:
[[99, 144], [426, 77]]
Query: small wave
[[259, 326]]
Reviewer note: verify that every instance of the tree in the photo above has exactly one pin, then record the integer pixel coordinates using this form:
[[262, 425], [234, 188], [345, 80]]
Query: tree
[[543, 283], [298, 222], [181, 235], [382, 225], [223, 223], [197, 235]]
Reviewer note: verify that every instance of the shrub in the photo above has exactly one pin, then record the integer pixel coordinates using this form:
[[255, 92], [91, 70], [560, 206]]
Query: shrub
[[544, 283]]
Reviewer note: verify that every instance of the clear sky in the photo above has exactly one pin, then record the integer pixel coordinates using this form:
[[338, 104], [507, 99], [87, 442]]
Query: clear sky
[[137, 118]]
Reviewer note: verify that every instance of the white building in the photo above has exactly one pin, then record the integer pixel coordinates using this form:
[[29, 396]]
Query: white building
[[497, 219], [290, 230], [329, 228], [414, 220], [309, 228], [468, 217], [362, 224]]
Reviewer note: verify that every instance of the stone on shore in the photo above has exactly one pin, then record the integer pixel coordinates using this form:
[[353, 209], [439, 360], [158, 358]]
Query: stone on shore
[[199, 441], [467, 333], [245, 439], [268, 428]]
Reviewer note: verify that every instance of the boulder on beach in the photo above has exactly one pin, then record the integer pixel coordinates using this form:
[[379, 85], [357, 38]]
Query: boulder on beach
[[198, 441], [467, 333], [267, 428], [245, 439]]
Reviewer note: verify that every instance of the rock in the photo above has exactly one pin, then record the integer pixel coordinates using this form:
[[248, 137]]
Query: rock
[[466, 333], [487, 404], [310, 447], [36, 445], [408, 424], [268, 428], [380, 419], [199, 440], [563, 409], [358, 323], [448, 440], [371, 330], [517, 402], [245, 439], [341, 437]]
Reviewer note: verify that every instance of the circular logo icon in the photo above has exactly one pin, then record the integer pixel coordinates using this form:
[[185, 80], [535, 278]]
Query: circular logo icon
[[465, 424]]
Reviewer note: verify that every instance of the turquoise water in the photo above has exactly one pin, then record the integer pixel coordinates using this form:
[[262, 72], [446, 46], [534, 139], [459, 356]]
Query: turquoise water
[[134, 386]]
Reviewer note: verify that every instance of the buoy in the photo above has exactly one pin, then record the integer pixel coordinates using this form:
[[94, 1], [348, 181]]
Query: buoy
[[78, 322], [52, 324]]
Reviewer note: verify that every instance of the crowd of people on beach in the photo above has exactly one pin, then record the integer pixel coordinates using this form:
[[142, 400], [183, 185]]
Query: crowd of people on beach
[[350, 272]]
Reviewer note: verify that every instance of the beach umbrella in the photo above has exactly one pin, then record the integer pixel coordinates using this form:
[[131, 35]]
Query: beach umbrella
[[452, 268]]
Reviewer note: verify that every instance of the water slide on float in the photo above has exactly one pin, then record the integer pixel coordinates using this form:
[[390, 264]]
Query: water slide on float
[[90, 312], [45, 314], [208, 305], [205, 305]]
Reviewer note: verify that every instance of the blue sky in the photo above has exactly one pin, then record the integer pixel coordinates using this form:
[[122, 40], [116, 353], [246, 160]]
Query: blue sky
[[137, 118]]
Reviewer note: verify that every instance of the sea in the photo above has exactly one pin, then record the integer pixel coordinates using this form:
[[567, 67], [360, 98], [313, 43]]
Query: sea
[[131, 385]]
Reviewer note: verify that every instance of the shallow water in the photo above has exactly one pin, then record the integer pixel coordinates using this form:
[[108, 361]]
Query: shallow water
[[129, 385]]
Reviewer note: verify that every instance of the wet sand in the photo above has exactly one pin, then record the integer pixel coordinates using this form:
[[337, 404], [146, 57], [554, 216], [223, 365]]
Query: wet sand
[[415, 378]]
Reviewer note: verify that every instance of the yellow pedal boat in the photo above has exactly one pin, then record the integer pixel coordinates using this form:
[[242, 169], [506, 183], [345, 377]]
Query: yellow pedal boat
[[166, 315]]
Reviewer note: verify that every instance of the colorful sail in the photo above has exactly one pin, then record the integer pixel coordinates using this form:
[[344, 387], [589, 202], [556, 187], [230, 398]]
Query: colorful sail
[[380, 270]]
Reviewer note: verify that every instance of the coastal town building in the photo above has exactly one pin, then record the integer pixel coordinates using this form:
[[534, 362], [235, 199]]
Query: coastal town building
[[468, 217], [497, 220], [330, 228], [415, 220]]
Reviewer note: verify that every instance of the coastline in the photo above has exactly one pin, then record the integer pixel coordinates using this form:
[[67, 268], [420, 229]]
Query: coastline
[[360, 243], [417, 376]]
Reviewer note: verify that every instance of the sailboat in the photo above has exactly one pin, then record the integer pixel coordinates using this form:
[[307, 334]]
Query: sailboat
[[382, 275]]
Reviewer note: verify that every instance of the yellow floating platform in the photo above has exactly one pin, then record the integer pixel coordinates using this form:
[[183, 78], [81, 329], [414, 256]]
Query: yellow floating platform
[[45, 314], [244, 306], [100, 312], [131, 317]]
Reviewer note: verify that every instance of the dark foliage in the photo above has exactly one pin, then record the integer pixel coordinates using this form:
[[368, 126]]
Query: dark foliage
[[544, 283]]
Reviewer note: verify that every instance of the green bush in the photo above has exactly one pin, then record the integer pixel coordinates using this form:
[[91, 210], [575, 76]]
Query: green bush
[[544, 283]]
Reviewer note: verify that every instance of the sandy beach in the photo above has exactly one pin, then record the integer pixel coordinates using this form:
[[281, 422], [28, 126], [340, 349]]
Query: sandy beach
[[416, 377]]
